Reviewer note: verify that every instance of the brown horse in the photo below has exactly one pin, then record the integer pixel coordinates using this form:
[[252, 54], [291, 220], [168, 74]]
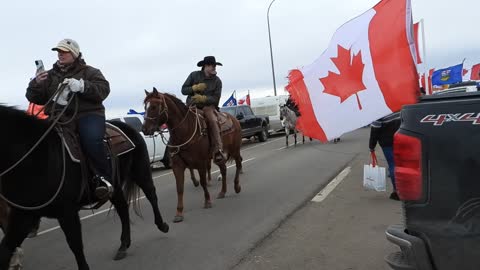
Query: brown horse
[[189, 143]]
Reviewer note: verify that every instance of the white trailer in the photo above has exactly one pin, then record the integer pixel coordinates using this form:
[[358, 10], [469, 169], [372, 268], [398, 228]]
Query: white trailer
[[270, 106]]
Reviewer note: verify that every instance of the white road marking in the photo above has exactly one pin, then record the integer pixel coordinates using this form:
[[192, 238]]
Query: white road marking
[[261, 144], [280, 148], [332, 185], [140, 198]]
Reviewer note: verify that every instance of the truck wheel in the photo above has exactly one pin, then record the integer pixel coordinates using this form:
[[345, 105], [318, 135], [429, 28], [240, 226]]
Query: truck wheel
[[166, 159], [263, 135]]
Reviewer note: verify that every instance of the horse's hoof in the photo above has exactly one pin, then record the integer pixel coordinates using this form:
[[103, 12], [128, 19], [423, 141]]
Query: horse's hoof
[[164, 227], [178, 219], [238, 188], [196, 183], [121, 254], [208, 205], [221, 195]]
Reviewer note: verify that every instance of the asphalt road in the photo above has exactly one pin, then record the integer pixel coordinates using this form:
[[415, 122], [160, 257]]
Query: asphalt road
[[276, 182]]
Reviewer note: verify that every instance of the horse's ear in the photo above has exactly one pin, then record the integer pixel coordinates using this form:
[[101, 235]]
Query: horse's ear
[[155, 91], [146, 92]]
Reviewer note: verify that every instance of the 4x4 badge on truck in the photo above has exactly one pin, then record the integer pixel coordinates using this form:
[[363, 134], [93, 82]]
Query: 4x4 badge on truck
[[440, 119]]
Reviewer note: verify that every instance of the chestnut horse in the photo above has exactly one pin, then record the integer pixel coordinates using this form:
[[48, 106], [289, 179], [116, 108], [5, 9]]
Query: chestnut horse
[[189, 145]]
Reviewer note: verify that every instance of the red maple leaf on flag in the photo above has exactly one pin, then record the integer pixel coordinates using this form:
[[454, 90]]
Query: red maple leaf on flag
[[349, 82]]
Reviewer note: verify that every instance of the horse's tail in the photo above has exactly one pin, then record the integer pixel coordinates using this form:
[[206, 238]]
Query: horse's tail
[[236, 140], [133, 165]]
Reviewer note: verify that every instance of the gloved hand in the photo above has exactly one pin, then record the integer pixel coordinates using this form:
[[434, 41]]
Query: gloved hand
[[372, 150], [76, 86], [199, 99], [199, 87], [62, 97]]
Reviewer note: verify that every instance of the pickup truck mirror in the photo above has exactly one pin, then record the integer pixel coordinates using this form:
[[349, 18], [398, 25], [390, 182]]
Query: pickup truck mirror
[[240, 116]]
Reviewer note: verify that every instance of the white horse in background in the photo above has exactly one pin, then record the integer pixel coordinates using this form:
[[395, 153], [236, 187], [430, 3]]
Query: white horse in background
[[289, 120]]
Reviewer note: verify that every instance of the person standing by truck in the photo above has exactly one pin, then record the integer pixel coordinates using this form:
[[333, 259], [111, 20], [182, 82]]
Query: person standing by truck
[[382, 132]]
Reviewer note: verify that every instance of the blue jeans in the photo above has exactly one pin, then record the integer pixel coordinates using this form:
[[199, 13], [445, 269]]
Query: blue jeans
[[91, 129], [388, 152]]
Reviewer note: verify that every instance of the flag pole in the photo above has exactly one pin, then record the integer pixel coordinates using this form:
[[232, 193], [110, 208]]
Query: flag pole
[[425, 66]]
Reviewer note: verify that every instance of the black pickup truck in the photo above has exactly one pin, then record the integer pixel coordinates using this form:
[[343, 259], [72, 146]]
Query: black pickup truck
[[252, 125], [437, 172]]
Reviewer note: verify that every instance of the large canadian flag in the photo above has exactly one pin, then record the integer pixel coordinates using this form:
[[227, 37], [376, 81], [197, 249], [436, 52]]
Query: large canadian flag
[[368, 71]]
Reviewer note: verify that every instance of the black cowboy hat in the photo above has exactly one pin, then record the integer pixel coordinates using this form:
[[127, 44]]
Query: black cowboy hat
[[208, 60]]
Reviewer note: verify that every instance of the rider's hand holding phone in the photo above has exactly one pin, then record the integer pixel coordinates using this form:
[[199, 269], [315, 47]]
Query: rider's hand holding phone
[[41, 74]]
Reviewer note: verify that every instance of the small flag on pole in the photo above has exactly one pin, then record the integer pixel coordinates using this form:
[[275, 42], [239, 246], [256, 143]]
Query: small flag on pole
[[231, 101]]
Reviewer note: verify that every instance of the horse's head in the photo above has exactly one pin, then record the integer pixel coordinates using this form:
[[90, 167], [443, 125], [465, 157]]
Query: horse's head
[[282, 112], [156, 111]]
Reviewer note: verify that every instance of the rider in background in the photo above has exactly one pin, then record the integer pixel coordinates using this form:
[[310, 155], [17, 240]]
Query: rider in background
[[292, 106], [91, 89], [204, 89]]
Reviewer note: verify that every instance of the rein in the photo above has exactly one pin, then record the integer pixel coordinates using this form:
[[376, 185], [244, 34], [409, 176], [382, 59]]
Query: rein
[[56, 120]]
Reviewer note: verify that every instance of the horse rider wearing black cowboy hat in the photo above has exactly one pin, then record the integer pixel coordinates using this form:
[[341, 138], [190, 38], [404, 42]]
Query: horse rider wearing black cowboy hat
[[204, 88], [91, 89]]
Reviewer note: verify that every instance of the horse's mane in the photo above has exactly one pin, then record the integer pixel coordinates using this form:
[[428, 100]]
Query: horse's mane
[[18, 121]]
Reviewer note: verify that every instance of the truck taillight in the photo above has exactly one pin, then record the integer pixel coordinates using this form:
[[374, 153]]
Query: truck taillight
[[408, 167]]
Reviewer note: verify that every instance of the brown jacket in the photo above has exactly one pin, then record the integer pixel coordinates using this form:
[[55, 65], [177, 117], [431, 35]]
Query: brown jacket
[[96, 88]]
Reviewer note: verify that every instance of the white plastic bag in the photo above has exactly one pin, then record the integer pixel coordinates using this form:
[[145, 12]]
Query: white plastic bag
[[374, 175]]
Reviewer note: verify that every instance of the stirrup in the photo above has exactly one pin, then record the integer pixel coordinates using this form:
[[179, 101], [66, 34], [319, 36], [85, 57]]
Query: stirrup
[[104, 190]]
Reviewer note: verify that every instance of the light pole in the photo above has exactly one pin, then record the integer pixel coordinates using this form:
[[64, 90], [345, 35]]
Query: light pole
[[271, 52]]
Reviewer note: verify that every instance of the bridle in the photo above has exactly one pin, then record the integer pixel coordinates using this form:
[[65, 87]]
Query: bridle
[[164, 111], [191, 109]]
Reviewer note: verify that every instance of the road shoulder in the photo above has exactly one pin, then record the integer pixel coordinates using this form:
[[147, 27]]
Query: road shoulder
[[344, 231]]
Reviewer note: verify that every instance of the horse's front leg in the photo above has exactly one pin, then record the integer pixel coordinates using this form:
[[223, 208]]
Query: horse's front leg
[[203, 182], [179, 172], [287, 132], [70, 224], [20, 224]]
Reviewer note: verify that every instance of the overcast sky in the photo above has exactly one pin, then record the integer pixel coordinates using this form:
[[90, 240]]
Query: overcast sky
[[141, 44]]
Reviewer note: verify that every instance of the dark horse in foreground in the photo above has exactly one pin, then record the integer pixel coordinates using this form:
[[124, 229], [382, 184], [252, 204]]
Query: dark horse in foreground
[[37, 178], [189, 145]]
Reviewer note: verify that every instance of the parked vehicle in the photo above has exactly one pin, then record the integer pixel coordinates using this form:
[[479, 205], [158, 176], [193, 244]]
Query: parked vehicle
[[437, 170], [252, 125], [270, 106], [155, 144]]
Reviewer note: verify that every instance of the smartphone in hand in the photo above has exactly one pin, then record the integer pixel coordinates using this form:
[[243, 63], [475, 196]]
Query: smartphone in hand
[[39, 65]]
